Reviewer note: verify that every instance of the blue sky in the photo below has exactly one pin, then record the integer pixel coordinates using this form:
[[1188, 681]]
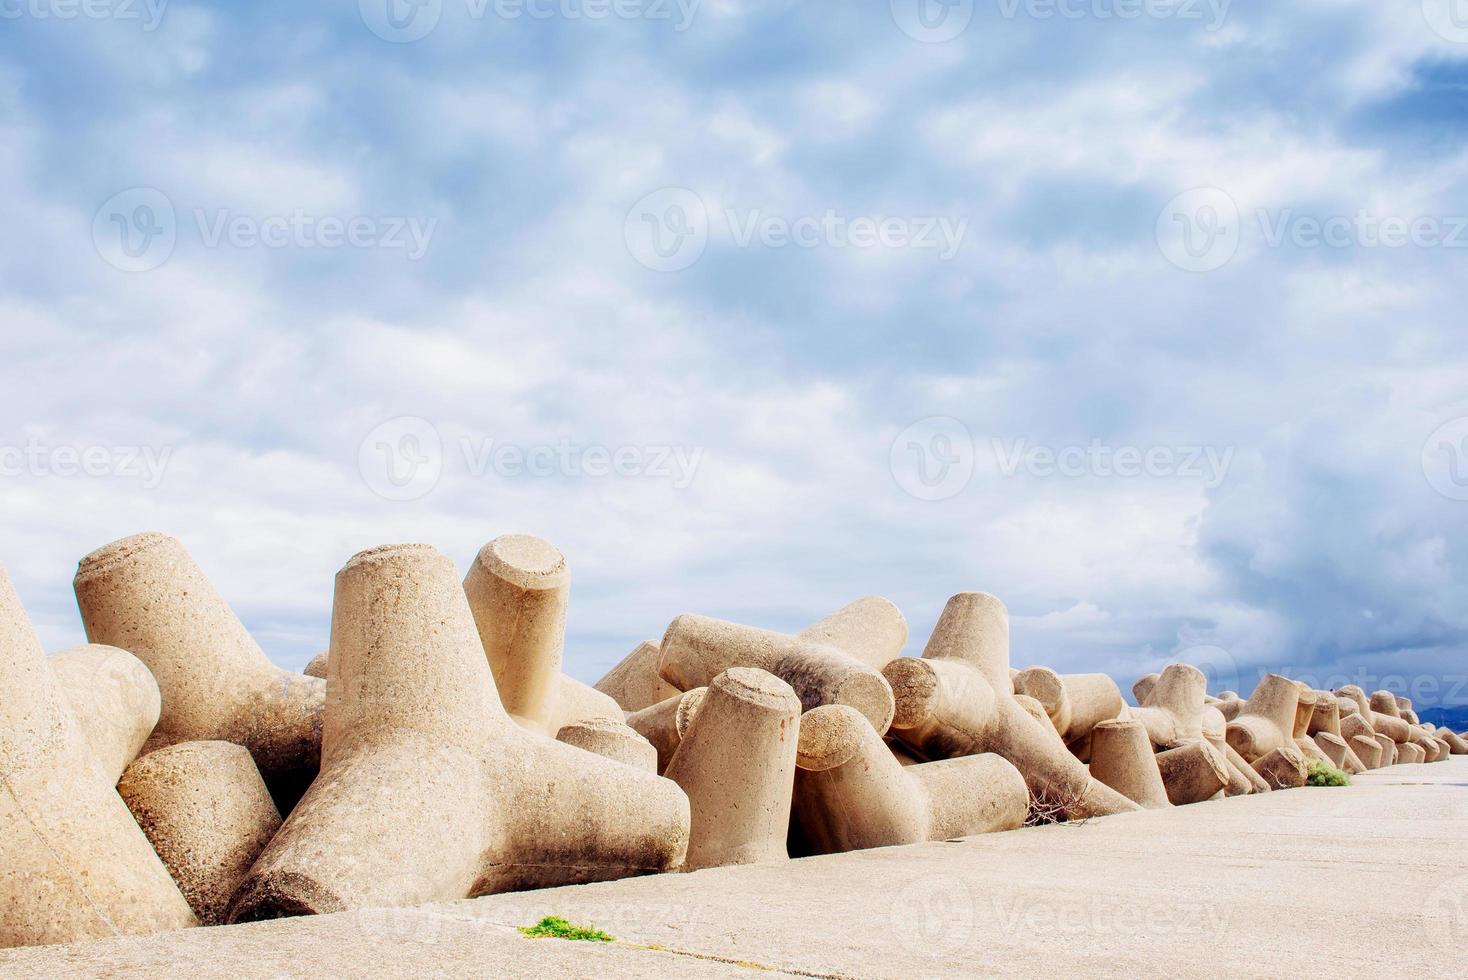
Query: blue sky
[[1148, 318]]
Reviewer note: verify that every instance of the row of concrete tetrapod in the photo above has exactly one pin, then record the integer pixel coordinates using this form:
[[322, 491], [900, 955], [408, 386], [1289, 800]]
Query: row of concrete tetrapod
[[168, 775]]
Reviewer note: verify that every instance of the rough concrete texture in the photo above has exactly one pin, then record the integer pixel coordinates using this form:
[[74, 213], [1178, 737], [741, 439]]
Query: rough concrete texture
[[317, 666], [147, 596], [737, 765], [114, 700], [851, 793], [208, 815], [958, 699], [73, 864], [837, 660], [664, 723], [428, 789], [1122, 758], [635, 683], [1075, 703], [1259, 873]]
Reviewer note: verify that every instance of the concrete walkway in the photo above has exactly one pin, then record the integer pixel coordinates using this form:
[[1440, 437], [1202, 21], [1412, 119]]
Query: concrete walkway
[[1369, 880]]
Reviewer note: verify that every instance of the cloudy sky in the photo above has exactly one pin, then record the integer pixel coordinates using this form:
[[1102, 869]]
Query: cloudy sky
[[1148, 318]]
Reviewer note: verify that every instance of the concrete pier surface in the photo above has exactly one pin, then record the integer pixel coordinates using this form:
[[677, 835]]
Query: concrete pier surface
[[1367, 880]]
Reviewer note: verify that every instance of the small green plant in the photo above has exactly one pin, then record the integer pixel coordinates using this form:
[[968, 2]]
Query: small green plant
[[1325, 774], [555, 927]]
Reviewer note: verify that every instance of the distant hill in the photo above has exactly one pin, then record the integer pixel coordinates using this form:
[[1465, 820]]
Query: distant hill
[[1455, 718]]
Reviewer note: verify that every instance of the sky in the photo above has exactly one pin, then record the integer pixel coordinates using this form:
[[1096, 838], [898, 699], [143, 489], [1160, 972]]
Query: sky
[[1146, 316]]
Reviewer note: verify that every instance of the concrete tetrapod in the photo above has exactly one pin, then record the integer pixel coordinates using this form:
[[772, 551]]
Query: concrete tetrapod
[[1409, 753], [663, 724], [1173, 710], [851, 793], [1284, 767], [208, 814], [1385, 724], [1193, 772], [1075, 703], [835, 661], [1267, 720], [147, 596], [611, 740], [428, 790], [1326, 721], [1122, 758], [1176, 711], [518, 589], [737, 765], [1404, 710], [1388, 706], [114, 700], [1457, 744], [1334, 748], [73, 864], [871, 629], [1367, 749], [1389, 755], [634, 683], [957, 700], [1304, 716]]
